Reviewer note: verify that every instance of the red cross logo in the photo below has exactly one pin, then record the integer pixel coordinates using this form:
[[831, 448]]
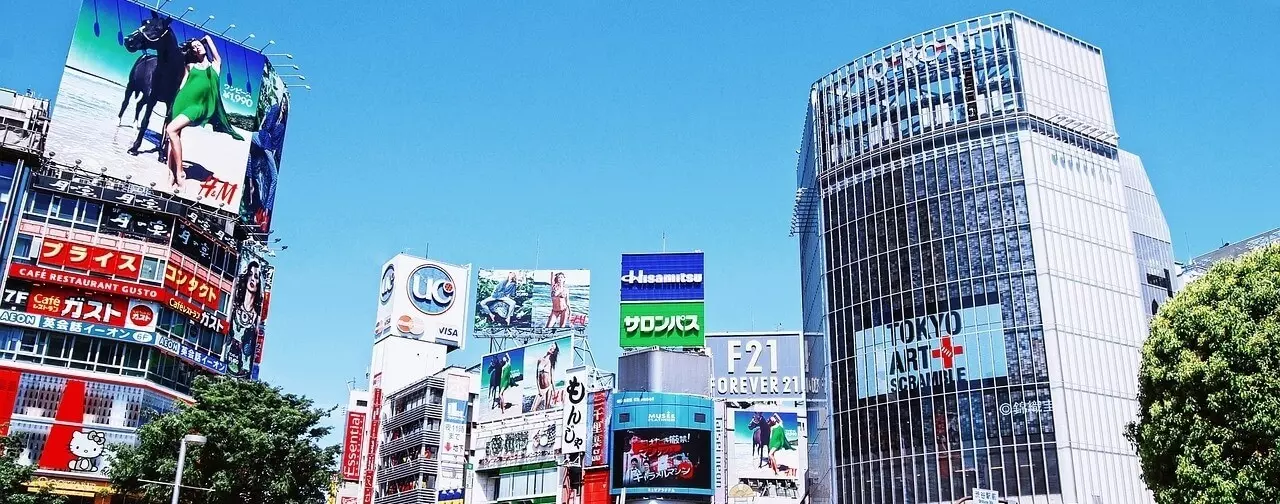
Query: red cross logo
[[946, 352]]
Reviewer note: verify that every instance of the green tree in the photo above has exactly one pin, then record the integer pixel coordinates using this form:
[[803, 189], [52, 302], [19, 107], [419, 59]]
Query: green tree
[[263, 448], [14, 477], [1208, 428]]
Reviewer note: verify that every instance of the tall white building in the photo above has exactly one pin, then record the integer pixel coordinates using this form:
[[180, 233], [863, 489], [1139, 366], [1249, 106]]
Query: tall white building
[[979, 260]]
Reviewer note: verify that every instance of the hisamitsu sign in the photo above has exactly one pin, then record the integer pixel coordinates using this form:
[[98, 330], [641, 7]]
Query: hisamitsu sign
[[756, 366], [662, 277]]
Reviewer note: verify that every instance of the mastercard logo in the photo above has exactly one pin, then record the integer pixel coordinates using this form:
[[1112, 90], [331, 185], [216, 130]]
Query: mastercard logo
[[142, 315], [408, 325]]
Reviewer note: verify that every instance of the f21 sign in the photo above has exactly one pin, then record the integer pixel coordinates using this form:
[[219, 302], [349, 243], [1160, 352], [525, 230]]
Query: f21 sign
[[756, 366]]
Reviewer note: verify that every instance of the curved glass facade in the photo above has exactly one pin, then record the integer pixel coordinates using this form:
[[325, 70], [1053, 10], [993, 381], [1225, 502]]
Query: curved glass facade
[[966, 227]]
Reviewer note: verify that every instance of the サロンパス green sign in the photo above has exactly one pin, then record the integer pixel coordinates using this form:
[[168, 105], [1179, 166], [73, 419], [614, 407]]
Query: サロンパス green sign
[[670, 324]]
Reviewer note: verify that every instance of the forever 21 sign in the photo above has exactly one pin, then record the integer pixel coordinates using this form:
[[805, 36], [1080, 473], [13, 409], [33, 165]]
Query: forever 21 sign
[[756, 366]]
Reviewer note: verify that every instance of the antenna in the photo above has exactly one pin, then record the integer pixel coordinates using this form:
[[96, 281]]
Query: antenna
[[537, 251], [664, 241], [427, 252]]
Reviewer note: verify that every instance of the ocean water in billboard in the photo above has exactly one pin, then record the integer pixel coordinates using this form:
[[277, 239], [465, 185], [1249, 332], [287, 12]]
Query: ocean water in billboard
[[765, 445], [524, 380], [532, 299], [159, 102], [250, 300], [265, 151]]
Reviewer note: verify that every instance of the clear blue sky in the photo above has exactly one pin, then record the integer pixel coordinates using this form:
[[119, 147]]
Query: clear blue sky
[[592, 127]]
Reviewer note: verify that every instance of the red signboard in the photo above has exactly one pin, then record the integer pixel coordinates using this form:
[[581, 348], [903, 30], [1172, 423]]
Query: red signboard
[[351, 446], [189, 284], [599, 426], [69, 304], [126, 289], [376, 412], [90, 258]]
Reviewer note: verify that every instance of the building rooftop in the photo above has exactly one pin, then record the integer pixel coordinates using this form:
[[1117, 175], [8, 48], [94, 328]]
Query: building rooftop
[[1232, 250]]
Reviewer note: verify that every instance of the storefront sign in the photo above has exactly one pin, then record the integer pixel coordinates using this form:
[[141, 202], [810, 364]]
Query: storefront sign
[[90, 258], [126, 289], [183, 351], [573, 438], [599, 427], [375, 410], [756, 367], [76, 488], [35, 321], [522, 447], [193, 286], [351, 445]]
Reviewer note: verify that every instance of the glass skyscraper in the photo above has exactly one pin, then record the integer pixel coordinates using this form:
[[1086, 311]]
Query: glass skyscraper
[[979, 263]]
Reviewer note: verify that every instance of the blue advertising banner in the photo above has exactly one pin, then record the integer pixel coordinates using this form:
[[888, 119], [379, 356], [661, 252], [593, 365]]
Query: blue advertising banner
[[664, 276], [75, 327], [188, 353]]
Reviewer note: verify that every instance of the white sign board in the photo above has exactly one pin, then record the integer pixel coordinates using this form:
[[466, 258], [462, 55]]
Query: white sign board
[[981, 496]]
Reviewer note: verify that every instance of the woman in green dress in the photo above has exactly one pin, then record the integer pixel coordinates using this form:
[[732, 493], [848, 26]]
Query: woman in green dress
[[777, 440], [199, 101], [505, 382]]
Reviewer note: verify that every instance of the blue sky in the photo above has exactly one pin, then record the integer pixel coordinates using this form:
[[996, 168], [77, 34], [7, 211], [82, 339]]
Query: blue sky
[[560, 134]]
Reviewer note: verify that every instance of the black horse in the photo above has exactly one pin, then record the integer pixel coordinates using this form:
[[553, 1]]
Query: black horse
[[157, 76]]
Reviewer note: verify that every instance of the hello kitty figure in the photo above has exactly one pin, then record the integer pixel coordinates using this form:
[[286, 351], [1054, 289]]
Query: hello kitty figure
[[87, 447]]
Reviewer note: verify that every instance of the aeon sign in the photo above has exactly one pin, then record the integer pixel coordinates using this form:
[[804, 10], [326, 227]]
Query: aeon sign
[[431, 289]]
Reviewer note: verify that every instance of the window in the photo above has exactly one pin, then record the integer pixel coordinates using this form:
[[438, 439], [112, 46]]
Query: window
[[624, 417], [700, 417], [151, 269], [22, 247], [362, 402]]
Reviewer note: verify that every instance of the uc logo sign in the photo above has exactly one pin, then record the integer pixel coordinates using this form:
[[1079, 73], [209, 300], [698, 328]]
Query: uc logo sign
[[431, 289], [388, 283]]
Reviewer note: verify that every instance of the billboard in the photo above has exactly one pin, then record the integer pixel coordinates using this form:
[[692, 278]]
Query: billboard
[[250, 300], [529, 299], [947, 350], [423, 300], [159, 102], [524, 380], [765, 454], [85, 313], [265, 150], [668, 324], [756, 366], [573, 438], [351, 445], [599, 446], [532, 445], [662, 277], [371, 450], [55, 252], [662, 460], [453, 432]]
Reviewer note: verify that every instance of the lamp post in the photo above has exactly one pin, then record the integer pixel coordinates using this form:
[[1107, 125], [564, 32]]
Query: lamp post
[[194, 439]]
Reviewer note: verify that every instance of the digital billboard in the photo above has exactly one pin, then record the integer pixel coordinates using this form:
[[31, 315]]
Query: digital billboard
[[265, 150], [423, 300], [249, 304], [668, 324], [663, 276], [524, 380], [159, 102], [945, 350], [529, 299], [765, 452], [756, 366], [662, 460]]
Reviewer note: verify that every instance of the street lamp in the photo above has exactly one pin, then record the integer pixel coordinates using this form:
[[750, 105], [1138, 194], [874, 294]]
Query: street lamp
[[194, 439]]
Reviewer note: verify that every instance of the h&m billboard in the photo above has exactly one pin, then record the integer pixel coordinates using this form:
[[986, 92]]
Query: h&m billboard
[[766, 455], [756, 366], [532, 299], [662, 444], [423, 300], [662, 277], [159, 101], [524, 380]]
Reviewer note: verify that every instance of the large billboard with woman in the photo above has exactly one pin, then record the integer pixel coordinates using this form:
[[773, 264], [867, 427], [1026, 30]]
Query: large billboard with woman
[[532, 299], [766, 455], [524, 380], [249, 303], [163, 103]]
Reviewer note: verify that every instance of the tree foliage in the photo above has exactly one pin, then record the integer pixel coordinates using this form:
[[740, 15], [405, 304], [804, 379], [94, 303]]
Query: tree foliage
[[14, 477], [263, 448], [1208, 429]]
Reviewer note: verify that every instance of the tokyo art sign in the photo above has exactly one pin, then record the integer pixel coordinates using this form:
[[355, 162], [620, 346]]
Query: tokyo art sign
[[937, 350], [674, 324]]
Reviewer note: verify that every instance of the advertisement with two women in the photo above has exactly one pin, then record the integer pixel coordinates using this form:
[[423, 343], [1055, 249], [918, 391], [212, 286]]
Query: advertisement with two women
[[250, 300], [160, 102], [766, 456], [524, 380], [532, 299]]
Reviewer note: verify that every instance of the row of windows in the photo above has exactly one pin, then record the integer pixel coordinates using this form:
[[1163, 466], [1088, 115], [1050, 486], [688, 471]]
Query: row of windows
[[415, 399], [1013, 471], [995, 416], [104, 404], [407, 484], [527, 484], [98, 355]]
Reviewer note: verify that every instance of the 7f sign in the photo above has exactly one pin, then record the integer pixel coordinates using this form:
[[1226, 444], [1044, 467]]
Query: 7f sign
[[756, 366]]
